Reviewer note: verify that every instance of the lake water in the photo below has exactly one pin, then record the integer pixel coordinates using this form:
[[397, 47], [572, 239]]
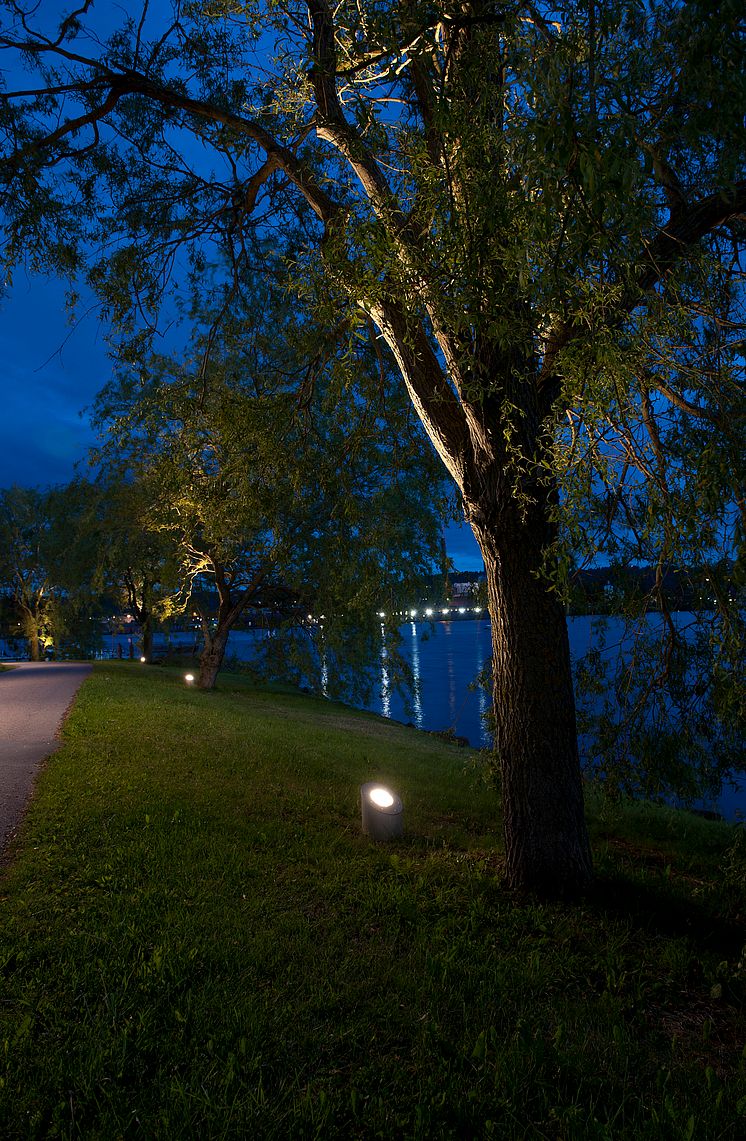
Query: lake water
[[446, 657]]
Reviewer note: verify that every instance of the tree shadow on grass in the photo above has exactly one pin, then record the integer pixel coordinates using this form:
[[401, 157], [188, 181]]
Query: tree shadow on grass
[[664, 908]]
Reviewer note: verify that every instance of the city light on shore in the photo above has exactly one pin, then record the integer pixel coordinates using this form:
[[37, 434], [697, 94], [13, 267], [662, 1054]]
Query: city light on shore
[[431, 613]]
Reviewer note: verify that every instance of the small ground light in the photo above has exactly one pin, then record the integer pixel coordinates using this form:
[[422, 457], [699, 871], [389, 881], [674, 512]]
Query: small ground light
[[143, 659], [382, 812], [189, 678]]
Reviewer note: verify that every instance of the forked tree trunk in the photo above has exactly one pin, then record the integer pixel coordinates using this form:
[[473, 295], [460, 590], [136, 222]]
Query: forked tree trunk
[[546, 841]]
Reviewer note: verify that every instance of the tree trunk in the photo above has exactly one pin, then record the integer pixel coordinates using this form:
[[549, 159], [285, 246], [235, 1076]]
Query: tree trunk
[[211, 658], [31, 632], [146, 637], [546, 841]]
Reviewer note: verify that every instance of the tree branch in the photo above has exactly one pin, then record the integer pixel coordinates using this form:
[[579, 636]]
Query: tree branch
[[684, 228], [118, 85]]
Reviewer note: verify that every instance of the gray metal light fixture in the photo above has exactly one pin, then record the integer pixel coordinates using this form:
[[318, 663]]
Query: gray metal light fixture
[[382, 812]]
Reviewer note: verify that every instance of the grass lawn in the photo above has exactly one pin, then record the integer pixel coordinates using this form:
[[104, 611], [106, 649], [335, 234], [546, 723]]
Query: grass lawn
[[197, 942]]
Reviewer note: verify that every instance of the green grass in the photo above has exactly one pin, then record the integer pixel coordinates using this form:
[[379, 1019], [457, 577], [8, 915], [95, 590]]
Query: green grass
[[197, 942]]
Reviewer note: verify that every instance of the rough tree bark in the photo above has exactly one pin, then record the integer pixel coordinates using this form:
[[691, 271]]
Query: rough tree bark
[[211, 658], [535, 735], [32, 636]]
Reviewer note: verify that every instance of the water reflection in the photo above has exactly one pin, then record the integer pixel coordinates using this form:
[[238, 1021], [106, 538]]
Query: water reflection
[[445, 664], [445, 658], [385, 684], [482, 658], [451, 670], [416, 676]]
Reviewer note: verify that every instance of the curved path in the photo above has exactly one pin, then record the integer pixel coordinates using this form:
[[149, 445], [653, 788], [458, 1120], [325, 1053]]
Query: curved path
[[34, 699]]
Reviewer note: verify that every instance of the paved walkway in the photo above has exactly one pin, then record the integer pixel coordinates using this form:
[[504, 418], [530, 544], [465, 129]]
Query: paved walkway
[[34, 699]]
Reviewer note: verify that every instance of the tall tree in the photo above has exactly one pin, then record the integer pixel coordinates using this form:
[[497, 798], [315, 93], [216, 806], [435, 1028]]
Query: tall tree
[[536, 205]]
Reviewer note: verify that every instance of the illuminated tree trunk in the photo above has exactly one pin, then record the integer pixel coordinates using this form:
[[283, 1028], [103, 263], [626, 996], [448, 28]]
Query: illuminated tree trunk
[[34, 645], [211, 658], [546, 841], [230, 609], [31, 631], [139, 595]]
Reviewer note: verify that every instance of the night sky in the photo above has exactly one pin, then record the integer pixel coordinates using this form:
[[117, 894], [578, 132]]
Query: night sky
[[52, 371]]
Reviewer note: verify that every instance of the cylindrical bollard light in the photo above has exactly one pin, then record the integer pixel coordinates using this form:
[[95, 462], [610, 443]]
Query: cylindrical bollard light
[[382, 812]]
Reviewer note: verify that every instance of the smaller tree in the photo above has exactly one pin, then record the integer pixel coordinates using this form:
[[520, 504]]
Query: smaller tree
[[29, 538], [284, 472], [133, 562], [47, 563]]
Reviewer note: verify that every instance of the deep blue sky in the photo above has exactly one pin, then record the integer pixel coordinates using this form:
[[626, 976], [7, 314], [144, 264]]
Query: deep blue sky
[[52, 371]]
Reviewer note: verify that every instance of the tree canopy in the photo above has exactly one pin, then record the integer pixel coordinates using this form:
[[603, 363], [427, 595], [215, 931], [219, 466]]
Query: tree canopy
[[539, 207]]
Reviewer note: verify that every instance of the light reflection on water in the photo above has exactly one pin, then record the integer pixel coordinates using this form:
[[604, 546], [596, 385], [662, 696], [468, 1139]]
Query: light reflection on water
[[446, 658], [414, 654], [385, 684]]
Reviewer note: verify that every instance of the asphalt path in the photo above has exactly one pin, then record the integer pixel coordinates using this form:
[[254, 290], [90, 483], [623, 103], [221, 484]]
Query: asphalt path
[[35, 698]]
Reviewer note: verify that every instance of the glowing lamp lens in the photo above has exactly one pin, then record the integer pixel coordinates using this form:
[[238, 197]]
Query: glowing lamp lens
[[381, 797]]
